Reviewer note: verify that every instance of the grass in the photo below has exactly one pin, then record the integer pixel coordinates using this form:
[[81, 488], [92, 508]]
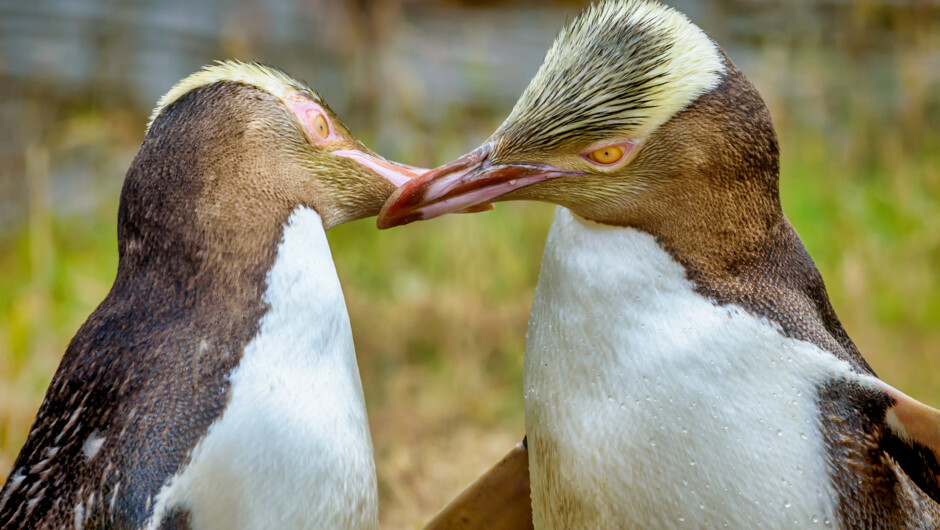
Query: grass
[[439, 309]]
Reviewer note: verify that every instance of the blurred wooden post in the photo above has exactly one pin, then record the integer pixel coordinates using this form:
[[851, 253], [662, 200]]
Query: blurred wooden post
[[497, 500]]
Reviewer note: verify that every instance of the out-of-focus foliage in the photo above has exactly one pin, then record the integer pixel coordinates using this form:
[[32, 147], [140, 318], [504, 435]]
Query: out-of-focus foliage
[[439, 309]]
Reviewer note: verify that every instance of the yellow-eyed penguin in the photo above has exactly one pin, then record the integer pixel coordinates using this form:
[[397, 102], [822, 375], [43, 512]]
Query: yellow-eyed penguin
[[684, 366], [216, 385]]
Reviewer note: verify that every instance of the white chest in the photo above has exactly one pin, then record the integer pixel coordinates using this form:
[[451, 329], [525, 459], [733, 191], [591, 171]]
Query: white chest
[[649, 406], [292, 449]]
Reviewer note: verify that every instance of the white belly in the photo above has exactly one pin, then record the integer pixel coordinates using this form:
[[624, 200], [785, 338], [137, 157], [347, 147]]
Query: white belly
[[647, 405], [292, 449]]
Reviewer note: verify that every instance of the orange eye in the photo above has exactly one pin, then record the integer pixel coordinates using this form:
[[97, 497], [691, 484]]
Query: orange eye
[[607, 155], [320, 126]]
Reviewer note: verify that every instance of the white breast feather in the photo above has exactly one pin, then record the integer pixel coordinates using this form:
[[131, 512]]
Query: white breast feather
[[292, 449], [655, 407]]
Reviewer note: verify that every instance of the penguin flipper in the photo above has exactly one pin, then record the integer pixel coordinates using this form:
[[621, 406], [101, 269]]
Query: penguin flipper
[[497, 500], [913, 439]]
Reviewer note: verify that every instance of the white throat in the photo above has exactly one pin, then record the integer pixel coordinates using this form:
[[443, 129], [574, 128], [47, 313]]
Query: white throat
[[648, 405], [292, 449]]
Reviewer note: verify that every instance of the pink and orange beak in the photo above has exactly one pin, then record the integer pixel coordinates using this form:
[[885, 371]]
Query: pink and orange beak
[[396, 173], [465, 185]]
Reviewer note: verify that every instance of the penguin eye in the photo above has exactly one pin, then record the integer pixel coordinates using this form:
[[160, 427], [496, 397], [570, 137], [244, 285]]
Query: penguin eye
[[320, 126], [313, 119], [607, 155]]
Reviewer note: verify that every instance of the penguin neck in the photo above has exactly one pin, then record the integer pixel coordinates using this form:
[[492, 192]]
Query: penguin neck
[[756, 260], [203, 205], [295, 408], [719, 215]]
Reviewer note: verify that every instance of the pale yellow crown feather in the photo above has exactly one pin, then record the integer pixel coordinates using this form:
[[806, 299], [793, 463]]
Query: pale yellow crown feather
[[264, 77], [621, 67]]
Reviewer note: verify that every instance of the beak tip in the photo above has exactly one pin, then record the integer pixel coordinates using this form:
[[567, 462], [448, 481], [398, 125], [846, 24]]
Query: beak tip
[[384, 223], [400, 209], [392, 216]]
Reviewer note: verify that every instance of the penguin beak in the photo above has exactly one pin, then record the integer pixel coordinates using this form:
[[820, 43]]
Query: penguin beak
[[396, 173], [461, 186]]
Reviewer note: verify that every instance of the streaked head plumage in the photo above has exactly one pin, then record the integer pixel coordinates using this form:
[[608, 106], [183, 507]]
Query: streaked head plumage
[[619, 68]]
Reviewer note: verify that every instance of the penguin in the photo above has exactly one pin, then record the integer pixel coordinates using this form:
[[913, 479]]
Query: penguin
[[684, 365], [216, 385]]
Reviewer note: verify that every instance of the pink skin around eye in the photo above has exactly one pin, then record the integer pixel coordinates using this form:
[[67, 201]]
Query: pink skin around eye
[[627, 147], [308, 111]]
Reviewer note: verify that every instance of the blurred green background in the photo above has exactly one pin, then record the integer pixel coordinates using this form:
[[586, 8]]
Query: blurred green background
[[439, 309]]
